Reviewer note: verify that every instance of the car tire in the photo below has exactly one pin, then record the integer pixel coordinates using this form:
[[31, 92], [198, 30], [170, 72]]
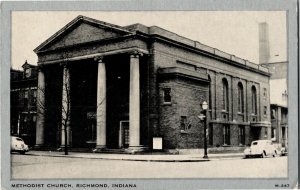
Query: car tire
[[263, 155], [275, 153], [23, 152], [246, 156]]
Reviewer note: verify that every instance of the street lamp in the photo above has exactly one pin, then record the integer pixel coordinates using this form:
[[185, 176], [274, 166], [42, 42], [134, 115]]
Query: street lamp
[[204, 108]]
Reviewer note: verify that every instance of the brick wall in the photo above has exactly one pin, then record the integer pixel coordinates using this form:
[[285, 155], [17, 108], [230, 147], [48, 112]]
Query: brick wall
[[186, 99]]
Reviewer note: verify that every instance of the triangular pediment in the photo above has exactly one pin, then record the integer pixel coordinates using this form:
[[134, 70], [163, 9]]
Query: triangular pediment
[[82, 30]]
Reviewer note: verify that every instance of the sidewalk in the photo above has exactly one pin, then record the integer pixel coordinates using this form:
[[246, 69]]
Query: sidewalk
[[133, 157]]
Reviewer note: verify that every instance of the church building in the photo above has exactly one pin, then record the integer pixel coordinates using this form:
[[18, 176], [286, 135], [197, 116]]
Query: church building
[[119, 87]]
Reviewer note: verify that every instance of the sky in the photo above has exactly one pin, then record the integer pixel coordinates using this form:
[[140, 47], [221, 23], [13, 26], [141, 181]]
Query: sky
[[234, 32]]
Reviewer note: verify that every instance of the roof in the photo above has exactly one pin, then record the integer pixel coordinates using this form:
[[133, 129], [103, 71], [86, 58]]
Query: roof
[[75, 21], [27, 65], [158, 33]]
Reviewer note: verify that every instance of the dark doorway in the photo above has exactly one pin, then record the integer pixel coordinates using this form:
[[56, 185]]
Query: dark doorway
[[117, 102], [83, 103]]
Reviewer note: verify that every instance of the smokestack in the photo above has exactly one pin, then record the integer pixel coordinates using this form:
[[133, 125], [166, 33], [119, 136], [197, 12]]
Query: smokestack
[[264, 49]]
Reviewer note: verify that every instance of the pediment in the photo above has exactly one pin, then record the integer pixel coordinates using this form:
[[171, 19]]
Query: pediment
[[80, 31]]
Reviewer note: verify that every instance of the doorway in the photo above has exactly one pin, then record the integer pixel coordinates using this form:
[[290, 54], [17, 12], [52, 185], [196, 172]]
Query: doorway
[[124, 134]]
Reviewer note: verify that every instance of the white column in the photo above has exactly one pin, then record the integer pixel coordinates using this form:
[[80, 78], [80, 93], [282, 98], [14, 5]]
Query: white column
[[101, 105], [40, 120], [66, 107], [134, 102]]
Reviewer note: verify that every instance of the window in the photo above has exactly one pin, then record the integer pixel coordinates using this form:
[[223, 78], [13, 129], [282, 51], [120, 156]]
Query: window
[[210, 134], [253, 100], [273, 113], [167, 95], [283, 133], [225, 98], [209, 94], [226, 134], [265, 111], [27, 73], [34, 97], [273, 134], [284, 96], [26, 94], [266, 133], [265, 92], [183, 123], [240, 98], [242, 135], [25, 99]]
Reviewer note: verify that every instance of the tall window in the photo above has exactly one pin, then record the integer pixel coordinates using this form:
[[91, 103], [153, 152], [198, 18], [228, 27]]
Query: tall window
[[273, 134], [226, 134], [209, 94], [240, 98], [183, 123], [167, 95], [225, 98], [210, 134], [25, 99], [265, 111], [265, 92], [253, 100], [33, 98], [242, 135]]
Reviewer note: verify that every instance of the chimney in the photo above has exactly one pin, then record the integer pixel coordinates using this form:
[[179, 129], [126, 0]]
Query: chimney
[[264, 49]]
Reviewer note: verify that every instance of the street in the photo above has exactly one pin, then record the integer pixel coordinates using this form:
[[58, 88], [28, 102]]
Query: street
[[43, 167]]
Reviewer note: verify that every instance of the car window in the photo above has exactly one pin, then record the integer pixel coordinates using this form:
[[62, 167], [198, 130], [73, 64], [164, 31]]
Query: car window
[[19, 139], [254, 143]]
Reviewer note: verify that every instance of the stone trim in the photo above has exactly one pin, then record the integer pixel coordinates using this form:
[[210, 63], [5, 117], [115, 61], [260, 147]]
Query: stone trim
[[102, 54], [180, 72]]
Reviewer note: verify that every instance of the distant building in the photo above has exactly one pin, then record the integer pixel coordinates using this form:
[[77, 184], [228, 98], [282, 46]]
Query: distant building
[[130, 84], [278, 87], [279, 101], [23, 96]]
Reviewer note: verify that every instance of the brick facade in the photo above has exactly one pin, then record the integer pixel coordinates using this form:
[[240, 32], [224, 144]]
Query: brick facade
[[23, 102], [216, 71]]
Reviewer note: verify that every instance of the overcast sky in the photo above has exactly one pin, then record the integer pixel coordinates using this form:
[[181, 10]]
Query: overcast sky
[[235, 32]]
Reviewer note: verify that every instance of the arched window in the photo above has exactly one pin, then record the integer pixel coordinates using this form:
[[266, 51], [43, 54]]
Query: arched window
[[209, 94], [253, 100], [240, 98], [225, 98]]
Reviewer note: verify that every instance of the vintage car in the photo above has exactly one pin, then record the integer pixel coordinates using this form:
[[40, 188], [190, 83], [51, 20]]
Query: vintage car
[[284, 151], [260, 148], [18, 145]]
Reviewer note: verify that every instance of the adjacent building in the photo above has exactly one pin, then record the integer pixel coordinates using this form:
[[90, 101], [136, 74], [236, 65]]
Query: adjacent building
[[279, 101], [113, 87], [23, 96], [278, 87]]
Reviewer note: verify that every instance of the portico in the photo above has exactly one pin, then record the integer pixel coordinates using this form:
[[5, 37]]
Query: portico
[[107, 95], [55, 52]]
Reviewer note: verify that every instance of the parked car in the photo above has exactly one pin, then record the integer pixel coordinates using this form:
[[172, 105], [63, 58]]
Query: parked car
[[284, 151], [18, 145], [260, 148]]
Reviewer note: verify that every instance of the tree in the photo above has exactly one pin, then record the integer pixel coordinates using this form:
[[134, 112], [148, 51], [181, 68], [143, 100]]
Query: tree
[[62, 118], [66, 103]]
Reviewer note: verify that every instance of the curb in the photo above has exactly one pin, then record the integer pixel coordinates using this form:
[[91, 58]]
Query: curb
[[123, 159]]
